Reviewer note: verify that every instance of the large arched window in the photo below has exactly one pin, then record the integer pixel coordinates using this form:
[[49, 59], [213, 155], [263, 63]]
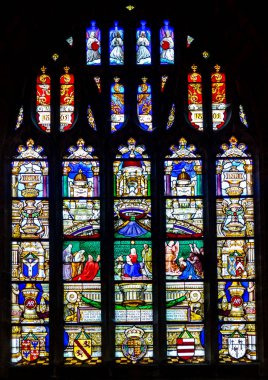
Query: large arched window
[[133, 206]]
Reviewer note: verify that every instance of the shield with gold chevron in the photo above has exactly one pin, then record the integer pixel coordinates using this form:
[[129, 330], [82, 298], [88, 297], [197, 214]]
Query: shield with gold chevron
[[82, 346]]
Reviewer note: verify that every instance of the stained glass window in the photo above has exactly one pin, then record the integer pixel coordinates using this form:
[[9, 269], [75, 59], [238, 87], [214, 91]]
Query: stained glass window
[[195, 99], [43, 96], [236, 255], [148, 240], [30, 257], [116, 39], [81, 256], [166, 44], [93, 45], [66, 100], [143, 45]]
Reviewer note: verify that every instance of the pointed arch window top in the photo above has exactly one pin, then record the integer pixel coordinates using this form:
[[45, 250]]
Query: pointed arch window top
[[183, 150], [233, 149], [30, 150], [81, 151], [132, 150]]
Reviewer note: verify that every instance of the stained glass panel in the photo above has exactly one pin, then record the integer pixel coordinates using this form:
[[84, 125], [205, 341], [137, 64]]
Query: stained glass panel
[[116, 40], [219, 106], [93, 45], [195, 99], [66, 100], [43, 100], [117, 105], [82, 345], [143, 45], [30, 257], [134, 344], [166, 44], [237, 343], [185, 343], [144, 105]]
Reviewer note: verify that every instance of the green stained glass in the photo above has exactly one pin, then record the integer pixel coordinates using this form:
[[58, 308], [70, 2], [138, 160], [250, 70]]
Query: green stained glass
[[124, 250]]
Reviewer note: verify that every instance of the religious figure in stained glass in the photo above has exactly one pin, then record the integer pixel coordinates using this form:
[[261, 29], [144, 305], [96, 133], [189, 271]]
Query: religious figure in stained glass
[[116, 45]]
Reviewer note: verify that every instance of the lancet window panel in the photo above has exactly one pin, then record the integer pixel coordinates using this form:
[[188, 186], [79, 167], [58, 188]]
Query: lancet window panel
[[81, 257], [30, 252]]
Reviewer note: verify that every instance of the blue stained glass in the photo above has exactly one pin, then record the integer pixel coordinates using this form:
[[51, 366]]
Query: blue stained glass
[[166, 44], [93, 45], [143, 45], [116, 39], [144, 105], [117, 105]]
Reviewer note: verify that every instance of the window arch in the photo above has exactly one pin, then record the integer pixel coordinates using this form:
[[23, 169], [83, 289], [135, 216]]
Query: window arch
[[141, 230]]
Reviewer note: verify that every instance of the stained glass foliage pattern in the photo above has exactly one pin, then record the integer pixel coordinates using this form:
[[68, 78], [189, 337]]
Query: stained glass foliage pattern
[[219, 106], [243, 116], [144, 105], [184, 255], [93, 45], [30, 257], [43, 101], [116, 40], [19, 118], [91, 119], [117, 105], [133, 256], [171, 117], [66, 100], [235, 251], [195, 99], [166, 44], [81, 256], [143, 45]]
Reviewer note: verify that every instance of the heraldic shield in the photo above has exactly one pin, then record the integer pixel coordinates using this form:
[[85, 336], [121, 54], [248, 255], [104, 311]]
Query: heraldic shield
[[185, 345], [82, 346], [237, 345], [30, 349], [134, 346]]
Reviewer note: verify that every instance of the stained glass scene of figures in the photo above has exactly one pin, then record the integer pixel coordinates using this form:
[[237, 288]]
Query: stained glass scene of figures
[[236, 258], [30, 256], [81, 255]]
